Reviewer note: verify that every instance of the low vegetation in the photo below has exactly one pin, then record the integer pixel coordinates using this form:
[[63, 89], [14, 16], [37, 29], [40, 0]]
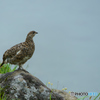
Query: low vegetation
[[8, 68], [4, 69]]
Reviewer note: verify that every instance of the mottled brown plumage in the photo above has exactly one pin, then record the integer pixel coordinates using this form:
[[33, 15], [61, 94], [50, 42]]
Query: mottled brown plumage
[[21, 52]]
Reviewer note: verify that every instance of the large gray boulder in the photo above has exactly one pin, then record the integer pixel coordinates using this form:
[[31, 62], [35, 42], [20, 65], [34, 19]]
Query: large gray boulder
[[21, 85]]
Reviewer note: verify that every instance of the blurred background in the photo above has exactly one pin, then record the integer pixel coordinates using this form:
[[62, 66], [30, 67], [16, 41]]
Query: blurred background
[[67, 47]]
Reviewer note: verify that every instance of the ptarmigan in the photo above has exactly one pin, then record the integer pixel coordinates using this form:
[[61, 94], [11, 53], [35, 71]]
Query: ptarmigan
[[21, 52]]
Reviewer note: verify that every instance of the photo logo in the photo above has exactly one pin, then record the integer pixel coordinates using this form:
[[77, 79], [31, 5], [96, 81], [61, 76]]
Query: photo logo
[[89, 95]]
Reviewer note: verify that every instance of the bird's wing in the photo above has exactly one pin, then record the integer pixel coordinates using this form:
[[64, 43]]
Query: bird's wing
[[20, 56], [12, 51]]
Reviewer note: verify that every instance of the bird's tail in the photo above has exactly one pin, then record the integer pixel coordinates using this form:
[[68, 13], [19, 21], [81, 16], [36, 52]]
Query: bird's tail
[[1, 64]]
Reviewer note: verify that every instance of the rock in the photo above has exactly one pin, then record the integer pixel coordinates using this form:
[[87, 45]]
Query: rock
[[21, 85], [65, 95]]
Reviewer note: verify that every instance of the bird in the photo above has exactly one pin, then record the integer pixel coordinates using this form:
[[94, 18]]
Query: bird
[[20, 53]]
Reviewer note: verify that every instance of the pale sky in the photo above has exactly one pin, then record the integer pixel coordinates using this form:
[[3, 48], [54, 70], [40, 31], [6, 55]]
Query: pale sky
[[67, 47]]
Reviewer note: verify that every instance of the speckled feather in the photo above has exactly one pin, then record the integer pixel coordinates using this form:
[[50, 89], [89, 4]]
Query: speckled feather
[[21, 52]]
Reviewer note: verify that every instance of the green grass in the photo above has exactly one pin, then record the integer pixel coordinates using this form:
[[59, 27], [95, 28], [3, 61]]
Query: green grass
[[7, 68], [2, 93], [96, 96]]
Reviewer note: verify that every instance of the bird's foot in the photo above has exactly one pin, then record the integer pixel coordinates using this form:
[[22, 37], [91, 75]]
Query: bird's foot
[[20, 68]]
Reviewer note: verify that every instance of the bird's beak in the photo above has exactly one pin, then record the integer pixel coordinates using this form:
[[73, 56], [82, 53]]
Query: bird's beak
[[36, 32]]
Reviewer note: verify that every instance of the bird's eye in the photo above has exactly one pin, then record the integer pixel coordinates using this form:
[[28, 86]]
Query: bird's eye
[[33, 32]]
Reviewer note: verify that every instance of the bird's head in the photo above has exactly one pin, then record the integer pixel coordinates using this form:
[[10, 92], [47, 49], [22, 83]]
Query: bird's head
[[32, 34]]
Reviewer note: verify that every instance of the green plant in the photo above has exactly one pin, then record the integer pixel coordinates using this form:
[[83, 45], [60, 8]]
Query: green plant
[[96, 96], [51, 94], [82, 98], [2, 93], [7, 68]]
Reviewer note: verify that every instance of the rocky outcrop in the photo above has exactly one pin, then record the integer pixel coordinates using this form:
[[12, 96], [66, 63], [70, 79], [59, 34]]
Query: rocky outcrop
[[21, 85]]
